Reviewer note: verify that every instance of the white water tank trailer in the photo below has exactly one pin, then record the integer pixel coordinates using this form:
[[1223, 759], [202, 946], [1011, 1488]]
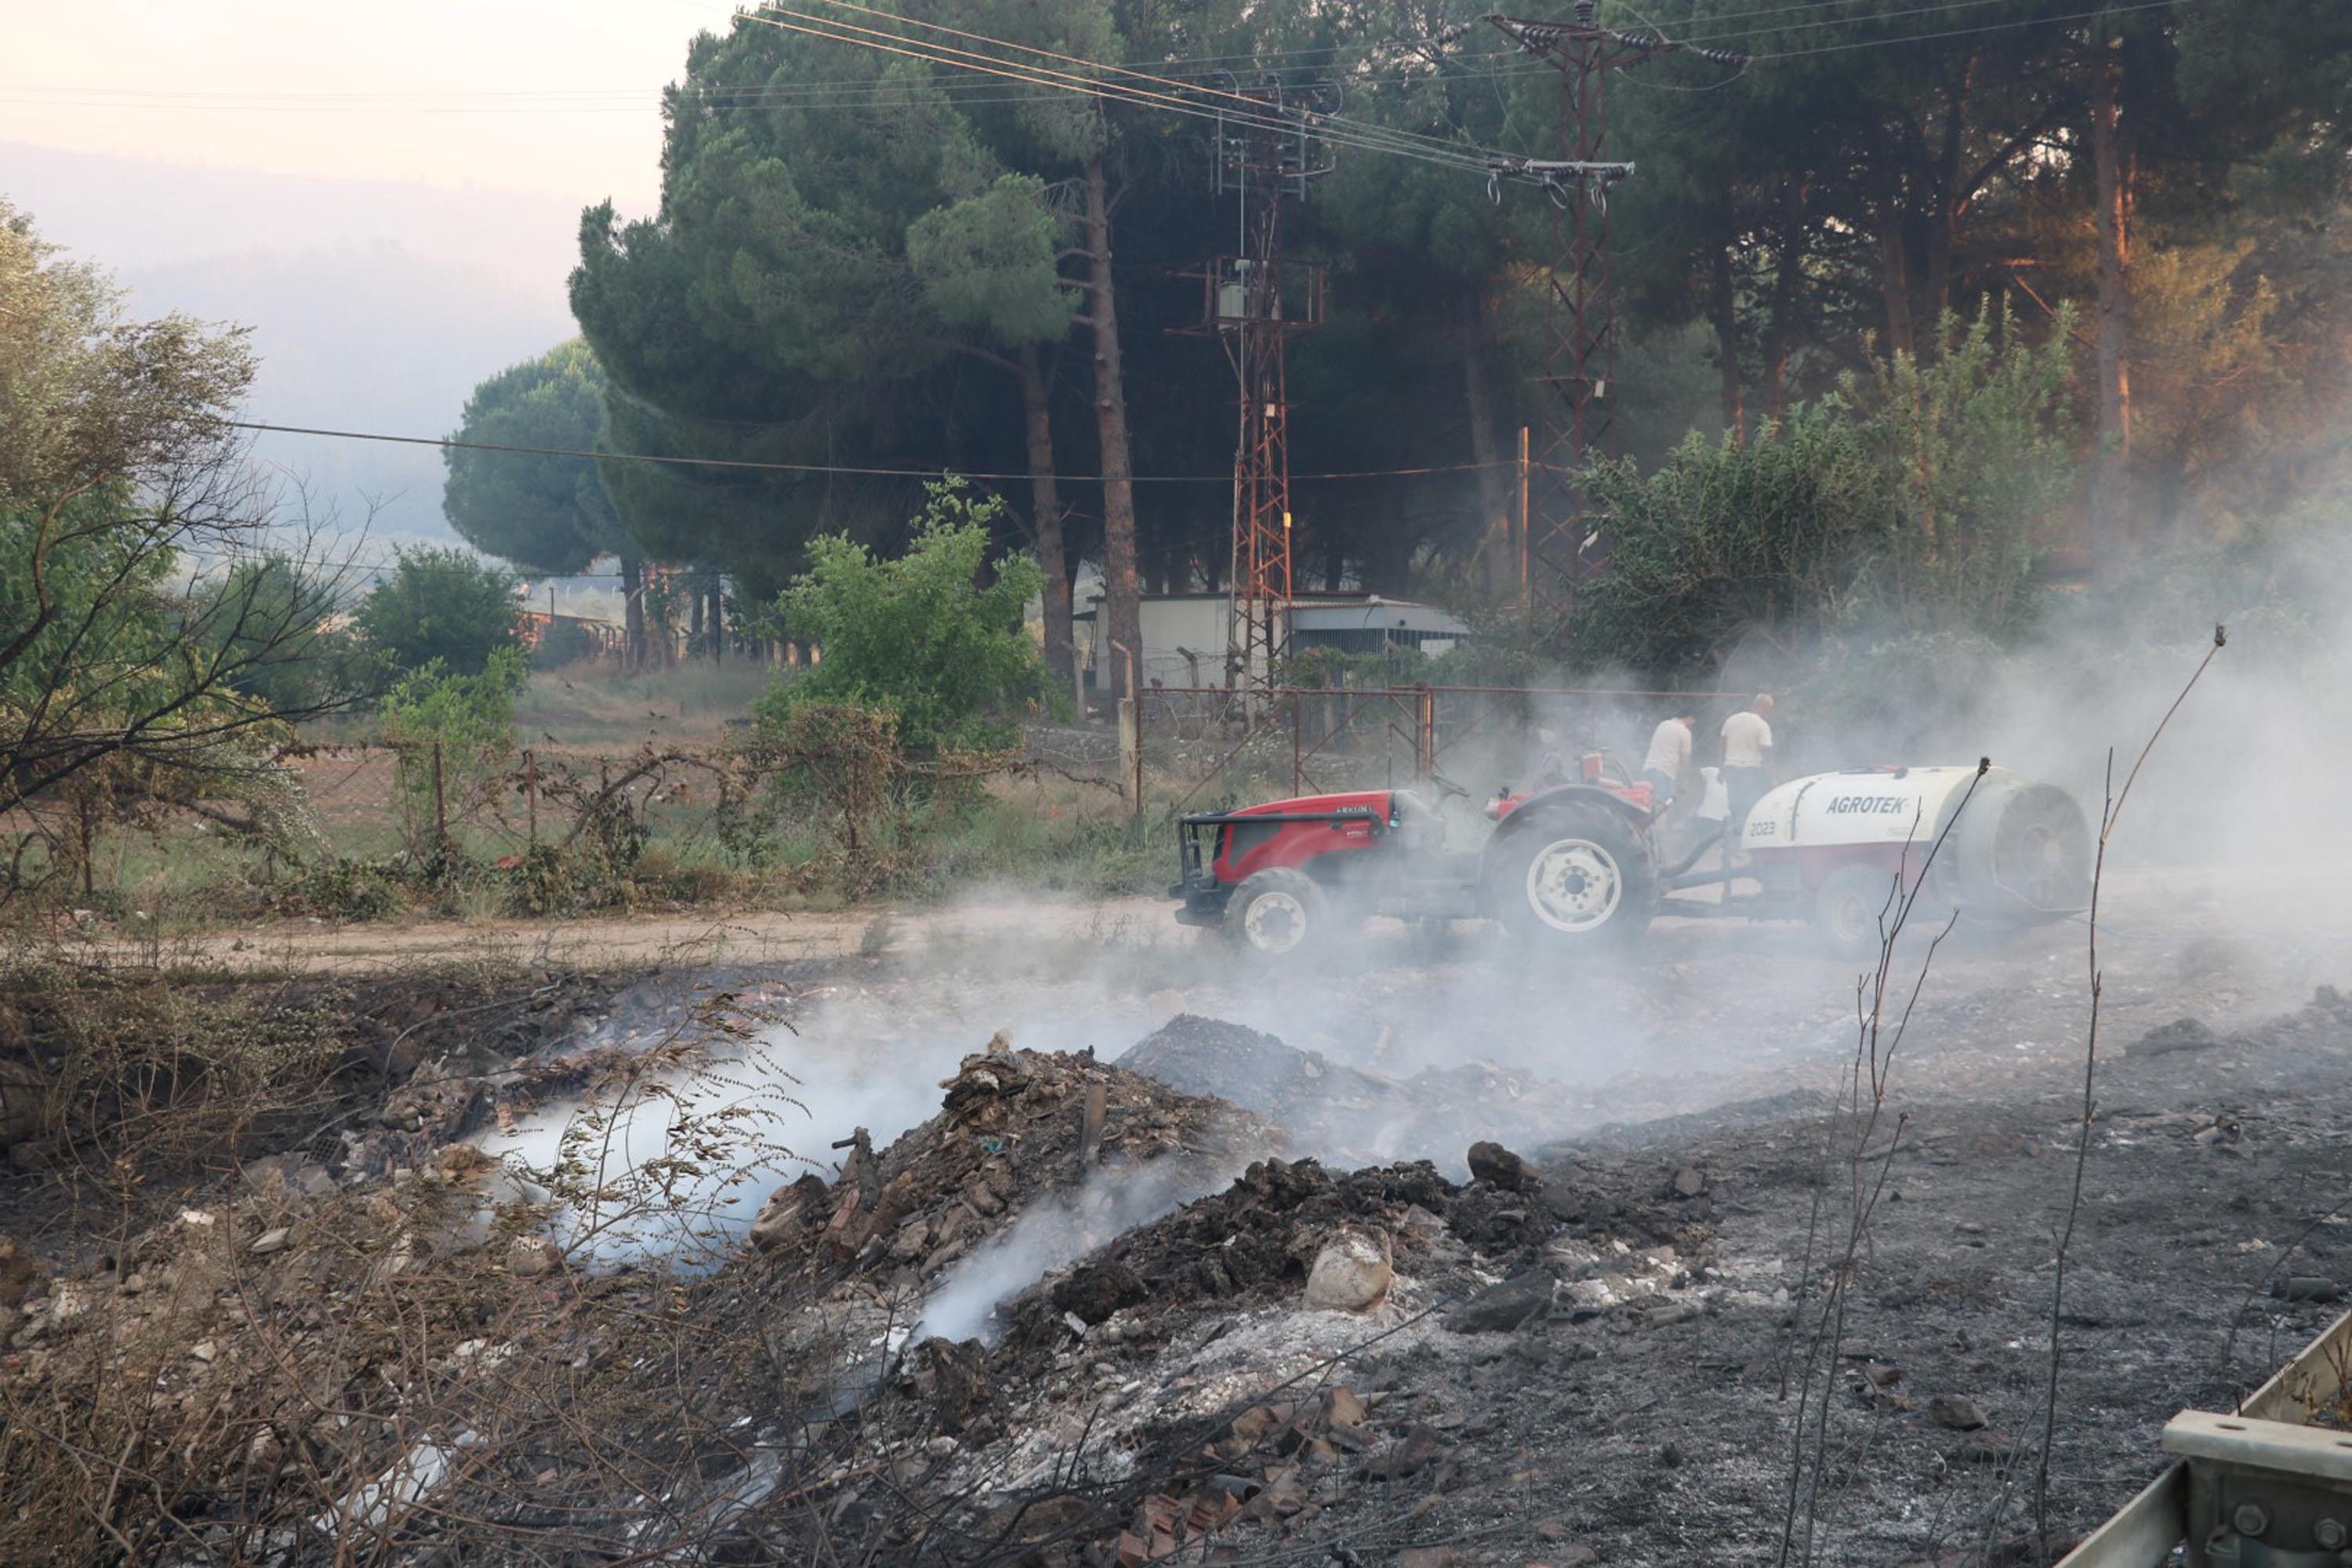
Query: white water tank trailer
[[1833, 844]]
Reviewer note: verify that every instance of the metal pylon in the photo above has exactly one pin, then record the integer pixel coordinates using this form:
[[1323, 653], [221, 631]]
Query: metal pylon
[[1561, 547], [1253, 303]]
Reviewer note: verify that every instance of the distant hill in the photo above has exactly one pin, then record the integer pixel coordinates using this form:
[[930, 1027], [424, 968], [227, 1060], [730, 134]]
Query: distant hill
[[374, 305], [373, 338]]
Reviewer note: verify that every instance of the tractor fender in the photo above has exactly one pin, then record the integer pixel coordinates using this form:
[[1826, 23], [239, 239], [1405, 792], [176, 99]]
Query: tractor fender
[[1539, 810], [1525, 815]]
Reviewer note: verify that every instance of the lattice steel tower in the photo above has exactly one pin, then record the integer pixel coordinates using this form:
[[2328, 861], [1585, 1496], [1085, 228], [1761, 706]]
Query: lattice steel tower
[[1580, 306], [1254, 302]]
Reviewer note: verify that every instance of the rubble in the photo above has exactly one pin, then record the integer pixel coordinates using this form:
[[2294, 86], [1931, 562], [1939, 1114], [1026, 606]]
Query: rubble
[[2183, 1034], [1353, 1272], [1506, 1306], [1014, 1127], [1349, 1115], [1955, 1414]]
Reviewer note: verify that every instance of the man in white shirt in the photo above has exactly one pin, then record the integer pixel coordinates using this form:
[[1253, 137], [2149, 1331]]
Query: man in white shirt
[[1669, 759], [1747, 762]]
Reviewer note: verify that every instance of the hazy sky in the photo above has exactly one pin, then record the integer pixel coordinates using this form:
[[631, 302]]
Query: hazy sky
[[389, 196], [559, 99]]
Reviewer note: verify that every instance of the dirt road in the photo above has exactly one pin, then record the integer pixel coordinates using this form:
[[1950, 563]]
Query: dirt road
[[621, 942]]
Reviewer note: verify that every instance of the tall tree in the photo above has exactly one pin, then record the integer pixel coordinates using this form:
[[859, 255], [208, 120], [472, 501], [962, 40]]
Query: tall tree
[[847, 251], [2111, 158], [121, 479], [544, 514]]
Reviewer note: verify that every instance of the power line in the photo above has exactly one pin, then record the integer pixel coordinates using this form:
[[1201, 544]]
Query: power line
[[875, 92], [526, 99], [1365, 139], [1742, 31], [1253, 106], [1966, 32], [838, 468]]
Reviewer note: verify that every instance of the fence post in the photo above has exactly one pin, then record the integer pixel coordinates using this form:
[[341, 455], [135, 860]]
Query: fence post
[[530, 796], [1424, 759], [440, 808], [1297, 763], [1130, 753]]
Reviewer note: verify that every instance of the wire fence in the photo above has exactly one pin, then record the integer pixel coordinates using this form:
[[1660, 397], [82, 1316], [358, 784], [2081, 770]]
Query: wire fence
[[371, 799], [1196, 747], [828, 804]]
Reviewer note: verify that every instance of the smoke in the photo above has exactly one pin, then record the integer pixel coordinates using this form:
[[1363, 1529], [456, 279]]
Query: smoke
[[2227, 863], [2229, 834], [1055, 1231]]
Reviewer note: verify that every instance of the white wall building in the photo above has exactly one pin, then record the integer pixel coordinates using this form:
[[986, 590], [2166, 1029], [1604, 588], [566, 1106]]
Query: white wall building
[[1186, 635]]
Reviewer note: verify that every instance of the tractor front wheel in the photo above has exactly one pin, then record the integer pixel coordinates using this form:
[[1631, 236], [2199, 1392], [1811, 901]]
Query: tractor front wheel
[[1581, 872], [1277, 913]]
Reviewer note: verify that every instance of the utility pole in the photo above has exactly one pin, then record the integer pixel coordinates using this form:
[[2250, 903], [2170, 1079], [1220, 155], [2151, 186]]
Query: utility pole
[[1252, 303], [1580, 306]]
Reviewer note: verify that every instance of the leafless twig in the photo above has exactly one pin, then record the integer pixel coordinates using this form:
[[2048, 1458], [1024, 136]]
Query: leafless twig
[[2111, 811], [1866, 1099]]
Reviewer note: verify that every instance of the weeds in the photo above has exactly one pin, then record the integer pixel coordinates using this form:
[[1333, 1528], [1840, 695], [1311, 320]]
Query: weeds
[[1878, 1037], [282, 1369], [2110, 813]]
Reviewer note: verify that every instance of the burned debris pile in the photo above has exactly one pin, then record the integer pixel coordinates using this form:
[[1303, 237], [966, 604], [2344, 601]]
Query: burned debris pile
[[1191, 1388], [1349, 1115], [1013, 1128], [1098, 1320], [1261, 1239]]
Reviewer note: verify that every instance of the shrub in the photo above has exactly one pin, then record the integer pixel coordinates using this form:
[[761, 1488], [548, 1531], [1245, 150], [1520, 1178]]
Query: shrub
[[934, 639], [561, 644], [453, 735], [1912, 504], [440, 605]]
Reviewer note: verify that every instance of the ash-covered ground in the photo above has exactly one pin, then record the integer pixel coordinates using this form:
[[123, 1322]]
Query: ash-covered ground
[[1094, 1246]]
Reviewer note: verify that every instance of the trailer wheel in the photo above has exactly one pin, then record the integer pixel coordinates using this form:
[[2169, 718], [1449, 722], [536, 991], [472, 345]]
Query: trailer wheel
[[1580, 871], [1847, 910], [1278, 912]]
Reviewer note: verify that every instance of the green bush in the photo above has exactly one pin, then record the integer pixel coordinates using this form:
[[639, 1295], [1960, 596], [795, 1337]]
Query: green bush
[[1729, 537], [344, 888], [453, 736], [934, 639], [273, 622], [1913, 504], [562, 643], [440, 605]]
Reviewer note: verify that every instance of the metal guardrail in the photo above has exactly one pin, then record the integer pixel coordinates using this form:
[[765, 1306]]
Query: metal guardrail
[[2258, 1486]]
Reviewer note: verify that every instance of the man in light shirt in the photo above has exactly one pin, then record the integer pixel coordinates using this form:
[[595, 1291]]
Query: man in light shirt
[[1669, 760], [1747, 762]]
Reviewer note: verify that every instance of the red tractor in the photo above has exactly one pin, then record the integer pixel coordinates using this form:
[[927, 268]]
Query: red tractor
[[1582, 860], [1577, 860]]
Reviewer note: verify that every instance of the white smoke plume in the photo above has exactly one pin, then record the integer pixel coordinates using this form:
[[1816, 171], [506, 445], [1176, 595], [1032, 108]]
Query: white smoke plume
[[1055, 1231]]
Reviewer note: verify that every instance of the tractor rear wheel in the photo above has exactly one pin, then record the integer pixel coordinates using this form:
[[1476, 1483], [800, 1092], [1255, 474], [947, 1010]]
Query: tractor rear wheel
[[1278, 913], [1580, 871]]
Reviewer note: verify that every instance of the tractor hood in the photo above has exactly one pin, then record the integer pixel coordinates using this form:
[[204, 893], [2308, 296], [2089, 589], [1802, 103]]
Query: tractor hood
[[1360, 803]]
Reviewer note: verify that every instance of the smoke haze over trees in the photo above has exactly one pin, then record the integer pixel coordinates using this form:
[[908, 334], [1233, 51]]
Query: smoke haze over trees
[[865, 259]]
